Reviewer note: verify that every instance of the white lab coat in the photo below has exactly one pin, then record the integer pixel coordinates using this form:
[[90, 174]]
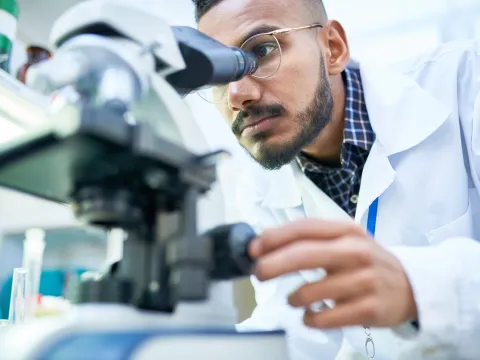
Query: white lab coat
[[425, 168]]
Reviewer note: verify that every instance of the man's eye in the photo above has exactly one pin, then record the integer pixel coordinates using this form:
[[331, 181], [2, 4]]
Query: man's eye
[[264, 50]]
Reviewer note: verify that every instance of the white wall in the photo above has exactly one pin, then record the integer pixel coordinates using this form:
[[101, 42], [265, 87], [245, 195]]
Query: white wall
[[393, 30]]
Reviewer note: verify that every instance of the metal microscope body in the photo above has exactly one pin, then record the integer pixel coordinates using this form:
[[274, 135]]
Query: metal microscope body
[[118, 166]]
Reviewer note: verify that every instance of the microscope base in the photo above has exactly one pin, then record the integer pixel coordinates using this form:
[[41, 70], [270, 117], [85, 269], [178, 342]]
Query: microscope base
[[187, 344], [123, 333]]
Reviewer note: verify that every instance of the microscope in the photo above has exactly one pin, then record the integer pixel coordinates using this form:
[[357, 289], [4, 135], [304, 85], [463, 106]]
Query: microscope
[[116, 149]]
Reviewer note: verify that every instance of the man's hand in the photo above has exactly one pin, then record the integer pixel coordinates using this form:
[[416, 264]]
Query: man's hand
[[367, 282]]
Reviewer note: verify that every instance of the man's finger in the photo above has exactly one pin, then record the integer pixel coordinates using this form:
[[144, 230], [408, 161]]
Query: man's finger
[[338, 286], [311, 254], [362, 311], [272, 239]]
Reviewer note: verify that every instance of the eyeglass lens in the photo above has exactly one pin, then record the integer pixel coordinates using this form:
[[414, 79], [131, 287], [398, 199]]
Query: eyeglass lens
[[269, 54]]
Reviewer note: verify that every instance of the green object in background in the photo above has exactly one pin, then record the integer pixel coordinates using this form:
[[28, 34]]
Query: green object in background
[[8, 30]]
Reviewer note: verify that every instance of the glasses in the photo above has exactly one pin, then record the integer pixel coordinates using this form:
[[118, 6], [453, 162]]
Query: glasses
[[268, 51]]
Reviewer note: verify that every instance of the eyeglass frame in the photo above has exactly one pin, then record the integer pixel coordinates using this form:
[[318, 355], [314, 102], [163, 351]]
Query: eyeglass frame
[[283, 31]]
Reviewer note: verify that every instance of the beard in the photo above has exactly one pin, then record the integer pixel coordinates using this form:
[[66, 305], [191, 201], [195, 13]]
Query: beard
[[311, 122]]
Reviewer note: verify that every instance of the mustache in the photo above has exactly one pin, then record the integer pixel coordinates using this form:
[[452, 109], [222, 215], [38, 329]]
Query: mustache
[[258, 112]]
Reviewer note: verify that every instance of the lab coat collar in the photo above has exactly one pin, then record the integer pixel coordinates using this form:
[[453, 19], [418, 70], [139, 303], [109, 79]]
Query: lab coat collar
[[402, 115]]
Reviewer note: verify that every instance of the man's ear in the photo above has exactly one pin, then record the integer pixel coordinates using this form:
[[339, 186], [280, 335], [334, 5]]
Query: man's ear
[[337, 51]]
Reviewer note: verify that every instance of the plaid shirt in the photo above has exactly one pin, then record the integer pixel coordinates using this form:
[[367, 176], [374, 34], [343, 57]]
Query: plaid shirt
[[342, 184]]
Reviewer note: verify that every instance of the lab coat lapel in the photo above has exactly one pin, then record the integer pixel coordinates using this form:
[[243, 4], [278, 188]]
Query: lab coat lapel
[[402, 115], [292, 192], [377, 176], [316, 204]]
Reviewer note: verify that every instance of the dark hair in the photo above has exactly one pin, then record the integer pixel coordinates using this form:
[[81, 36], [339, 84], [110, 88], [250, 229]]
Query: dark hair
[[203, 6]]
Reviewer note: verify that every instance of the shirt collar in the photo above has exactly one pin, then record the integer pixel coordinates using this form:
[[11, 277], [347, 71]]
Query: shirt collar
[[358, 130]]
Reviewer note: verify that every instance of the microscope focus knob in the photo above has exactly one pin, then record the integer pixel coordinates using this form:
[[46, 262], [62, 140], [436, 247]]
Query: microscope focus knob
[[230, 251]]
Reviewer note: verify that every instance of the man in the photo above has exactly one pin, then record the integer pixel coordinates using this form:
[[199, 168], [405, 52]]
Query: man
[[395, 151]]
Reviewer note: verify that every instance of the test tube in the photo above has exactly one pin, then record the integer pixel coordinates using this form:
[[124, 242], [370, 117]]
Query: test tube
[[18, 298], [33, 249]]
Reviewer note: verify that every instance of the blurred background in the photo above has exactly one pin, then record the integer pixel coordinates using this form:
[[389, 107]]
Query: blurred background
[[379, 30]]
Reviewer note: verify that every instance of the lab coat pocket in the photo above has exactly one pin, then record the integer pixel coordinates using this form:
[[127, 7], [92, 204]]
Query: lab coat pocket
[[460, 227]]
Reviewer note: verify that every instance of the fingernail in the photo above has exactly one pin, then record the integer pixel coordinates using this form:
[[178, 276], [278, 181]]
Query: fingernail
[[318, 306]]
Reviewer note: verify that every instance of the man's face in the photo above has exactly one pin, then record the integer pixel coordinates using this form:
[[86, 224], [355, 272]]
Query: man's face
[[296, 102]]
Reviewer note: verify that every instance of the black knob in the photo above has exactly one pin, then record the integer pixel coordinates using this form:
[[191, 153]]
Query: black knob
[[230, 251]]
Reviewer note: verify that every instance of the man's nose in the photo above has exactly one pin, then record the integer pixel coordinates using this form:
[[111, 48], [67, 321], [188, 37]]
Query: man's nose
[[242, 93]]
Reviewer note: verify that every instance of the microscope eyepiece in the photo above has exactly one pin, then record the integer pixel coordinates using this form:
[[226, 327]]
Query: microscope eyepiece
[[247, 63], [208, 62]]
